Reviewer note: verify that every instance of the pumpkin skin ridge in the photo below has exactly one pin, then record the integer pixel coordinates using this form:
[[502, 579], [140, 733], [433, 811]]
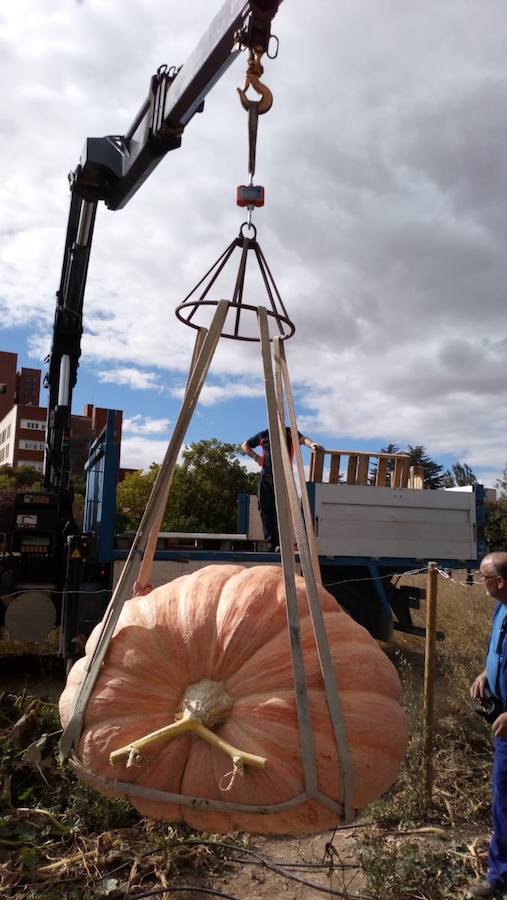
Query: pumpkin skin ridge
[[165, 646], [233, 619], [262, 718], [146, 625], [97, 742], [287, 784], [247, 729], [159, 704], [200, 663], [154, 688], [357, 652], [265, 605], [218, 766], [270, 713]]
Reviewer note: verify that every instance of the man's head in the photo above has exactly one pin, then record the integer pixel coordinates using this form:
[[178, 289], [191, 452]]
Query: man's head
[[493, 574]]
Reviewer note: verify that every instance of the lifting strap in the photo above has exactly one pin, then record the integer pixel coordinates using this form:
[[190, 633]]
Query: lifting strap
[[289, 517]]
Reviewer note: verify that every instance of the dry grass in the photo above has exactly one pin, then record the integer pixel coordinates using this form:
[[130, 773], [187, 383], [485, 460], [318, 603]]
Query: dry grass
[[411, 852], [86, 846]]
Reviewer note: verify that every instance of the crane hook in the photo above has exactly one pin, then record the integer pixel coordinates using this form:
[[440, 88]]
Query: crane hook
[[252, 79]]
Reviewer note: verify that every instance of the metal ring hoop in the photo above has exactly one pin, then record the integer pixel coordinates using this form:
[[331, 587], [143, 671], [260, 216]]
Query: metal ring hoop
[[195, 304], [248, 225]]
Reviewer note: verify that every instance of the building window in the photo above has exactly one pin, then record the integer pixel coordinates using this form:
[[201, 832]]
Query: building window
[[33, 463], [28, 423], [30, 445]]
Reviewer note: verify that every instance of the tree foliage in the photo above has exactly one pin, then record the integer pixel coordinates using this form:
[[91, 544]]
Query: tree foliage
[[459, 475], [501, 484], [495, 530], [204, 490], [432, 470], [418, 457], [19, 478]]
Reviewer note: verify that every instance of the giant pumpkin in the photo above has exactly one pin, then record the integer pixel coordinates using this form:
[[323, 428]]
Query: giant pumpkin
[[212, 647]]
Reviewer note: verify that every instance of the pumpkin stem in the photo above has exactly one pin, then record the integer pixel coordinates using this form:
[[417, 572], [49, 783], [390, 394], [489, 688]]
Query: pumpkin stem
[[188, 722]]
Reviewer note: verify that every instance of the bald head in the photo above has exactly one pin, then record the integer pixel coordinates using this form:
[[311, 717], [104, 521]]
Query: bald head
[[495, 564]]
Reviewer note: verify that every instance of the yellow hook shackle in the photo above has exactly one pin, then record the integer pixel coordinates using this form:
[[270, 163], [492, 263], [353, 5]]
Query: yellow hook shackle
[[252, 79]]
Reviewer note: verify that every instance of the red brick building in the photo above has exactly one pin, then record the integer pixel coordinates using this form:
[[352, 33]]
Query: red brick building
[[23, 421]]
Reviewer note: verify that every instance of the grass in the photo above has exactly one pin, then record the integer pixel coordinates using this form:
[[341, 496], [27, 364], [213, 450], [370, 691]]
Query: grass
[[58, 839], [408, 851]]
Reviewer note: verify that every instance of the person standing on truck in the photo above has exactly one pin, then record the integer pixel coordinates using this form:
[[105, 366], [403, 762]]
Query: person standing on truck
[[493, 681], [265, 487]]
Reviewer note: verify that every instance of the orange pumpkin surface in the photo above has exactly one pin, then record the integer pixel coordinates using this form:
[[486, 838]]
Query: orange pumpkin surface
[[224, 629]]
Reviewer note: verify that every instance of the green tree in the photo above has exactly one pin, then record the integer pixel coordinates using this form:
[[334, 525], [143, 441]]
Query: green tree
[[132, 496], [391, 448], [204, 490], [495, 529], [19, 478], [459, 475], [501, 484], [418, 457], [432, 470]]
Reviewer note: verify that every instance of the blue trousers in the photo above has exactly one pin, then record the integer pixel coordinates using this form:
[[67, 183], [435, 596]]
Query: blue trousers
[[267, 508], [497, 855]]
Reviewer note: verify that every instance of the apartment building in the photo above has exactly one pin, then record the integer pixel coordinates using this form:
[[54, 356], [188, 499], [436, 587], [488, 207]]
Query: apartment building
[[23, 420]]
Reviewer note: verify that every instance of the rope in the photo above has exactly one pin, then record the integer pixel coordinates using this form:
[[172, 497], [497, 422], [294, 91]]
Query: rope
[[402, 574]]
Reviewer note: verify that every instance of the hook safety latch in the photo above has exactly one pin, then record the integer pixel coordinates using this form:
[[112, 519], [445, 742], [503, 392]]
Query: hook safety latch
[[253, 79]]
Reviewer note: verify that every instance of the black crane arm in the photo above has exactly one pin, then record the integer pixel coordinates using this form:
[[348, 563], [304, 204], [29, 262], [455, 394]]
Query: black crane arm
[[111, 169]]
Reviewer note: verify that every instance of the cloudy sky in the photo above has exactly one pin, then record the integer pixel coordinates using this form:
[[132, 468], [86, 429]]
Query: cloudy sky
[[385, 167]]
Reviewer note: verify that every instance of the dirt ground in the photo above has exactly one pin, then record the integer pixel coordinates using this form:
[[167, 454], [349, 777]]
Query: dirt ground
[[291, 868], [271, 867]]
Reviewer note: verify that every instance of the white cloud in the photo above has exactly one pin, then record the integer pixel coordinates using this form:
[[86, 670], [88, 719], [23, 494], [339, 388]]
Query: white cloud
[[140, 452], [212, 394], [145, 425], [386, 203], [132, 378]]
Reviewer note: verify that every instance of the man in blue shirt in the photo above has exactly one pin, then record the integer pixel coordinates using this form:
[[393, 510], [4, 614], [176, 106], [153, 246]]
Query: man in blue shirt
[[493, 574], [265, 487]]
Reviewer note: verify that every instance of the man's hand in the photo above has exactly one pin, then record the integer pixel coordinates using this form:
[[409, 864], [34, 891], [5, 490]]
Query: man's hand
[[139, 591], [317, 446], [499, 726], [478, 687]]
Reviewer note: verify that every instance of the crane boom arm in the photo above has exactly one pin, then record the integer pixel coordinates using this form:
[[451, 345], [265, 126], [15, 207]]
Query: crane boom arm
[[112, 169]]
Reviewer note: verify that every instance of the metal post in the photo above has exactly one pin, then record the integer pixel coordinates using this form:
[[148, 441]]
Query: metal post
[[429, 681]]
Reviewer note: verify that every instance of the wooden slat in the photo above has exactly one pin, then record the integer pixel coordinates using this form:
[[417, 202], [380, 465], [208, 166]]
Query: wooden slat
[[352, 469], [417, 477], [334, 469], [405, 471], [317, 466], [363, 469], [381, 479], [401, 472]]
